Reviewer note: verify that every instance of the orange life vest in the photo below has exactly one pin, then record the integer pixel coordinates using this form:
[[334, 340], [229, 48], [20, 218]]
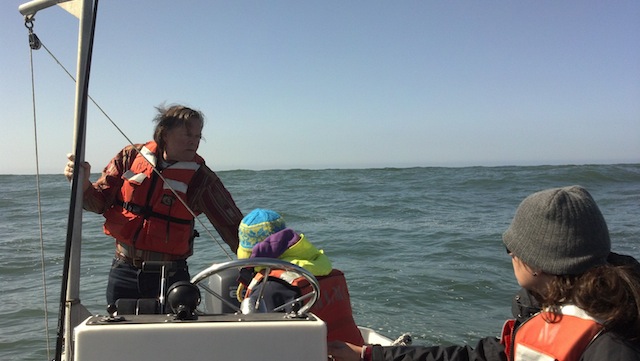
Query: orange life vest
[[333, 307], [147, 216], [564, 339]]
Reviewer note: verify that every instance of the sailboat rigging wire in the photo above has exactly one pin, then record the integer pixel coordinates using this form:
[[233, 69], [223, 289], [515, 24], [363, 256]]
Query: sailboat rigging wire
[[32, 35], [158, 172]]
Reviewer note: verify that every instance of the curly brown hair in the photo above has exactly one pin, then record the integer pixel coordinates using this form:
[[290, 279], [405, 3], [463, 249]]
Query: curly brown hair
[[609, 293]]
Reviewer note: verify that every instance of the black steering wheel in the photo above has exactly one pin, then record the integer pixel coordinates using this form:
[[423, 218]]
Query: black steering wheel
[[268, 264]]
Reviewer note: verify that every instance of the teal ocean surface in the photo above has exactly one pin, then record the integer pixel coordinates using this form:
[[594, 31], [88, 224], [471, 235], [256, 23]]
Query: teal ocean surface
[[421, 247]]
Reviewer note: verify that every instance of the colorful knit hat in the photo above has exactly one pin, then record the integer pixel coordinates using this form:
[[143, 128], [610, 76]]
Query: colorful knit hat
[[560, 231], [255, 227]]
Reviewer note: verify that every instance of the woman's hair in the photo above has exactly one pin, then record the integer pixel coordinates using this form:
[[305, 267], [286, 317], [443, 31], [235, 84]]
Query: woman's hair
[[172, 117], [610, 293]]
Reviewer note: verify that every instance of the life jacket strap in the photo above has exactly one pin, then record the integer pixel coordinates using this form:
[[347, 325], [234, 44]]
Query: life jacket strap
[[133, 208], [146, 213]]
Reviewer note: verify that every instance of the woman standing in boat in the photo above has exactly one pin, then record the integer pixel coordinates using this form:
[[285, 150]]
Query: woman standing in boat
[[142, 212], [579, 301]]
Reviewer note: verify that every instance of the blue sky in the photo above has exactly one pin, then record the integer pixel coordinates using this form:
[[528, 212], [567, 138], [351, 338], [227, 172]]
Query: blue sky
[[337, 84]]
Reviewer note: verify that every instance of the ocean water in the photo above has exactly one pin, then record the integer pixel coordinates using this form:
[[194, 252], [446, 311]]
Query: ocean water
[[421, 247]]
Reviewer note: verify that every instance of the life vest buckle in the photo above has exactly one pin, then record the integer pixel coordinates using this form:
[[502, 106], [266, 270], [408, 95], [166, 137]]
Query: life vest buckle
[[133, 208]]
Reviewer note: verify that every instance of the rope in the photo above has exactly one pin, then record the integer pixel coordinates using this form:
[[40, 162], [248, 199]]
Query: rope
[[184, 203], [34, 44]]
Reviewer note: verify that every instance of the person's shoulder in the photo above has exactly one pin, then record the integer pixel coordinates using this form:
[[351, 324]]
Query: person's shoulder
[[524, 305], [205, 171], [612, 346], [205, 168], [204, 176], [131, 148], [127, 155]]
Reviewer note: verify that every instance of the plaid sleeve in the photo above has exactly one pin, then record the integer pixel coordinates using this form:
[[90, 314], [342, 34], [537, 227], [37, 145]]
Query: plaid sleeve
[[208, 195]]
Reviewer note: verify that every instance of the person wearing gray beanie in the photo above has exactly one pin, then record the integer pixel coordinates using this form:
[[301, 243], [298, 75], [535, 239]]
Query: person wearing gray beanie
[[559, 231], [579, 301], [588, 297]]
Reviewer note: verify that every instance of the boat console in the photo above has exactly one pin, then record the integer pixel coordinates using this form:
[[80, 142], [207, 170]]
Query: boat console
[[272, 336], [218, 329]]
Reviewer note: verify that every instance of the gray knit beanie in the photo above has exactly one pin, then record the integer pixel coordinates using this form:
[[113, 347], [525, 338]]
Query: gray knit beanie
[[560, 231]]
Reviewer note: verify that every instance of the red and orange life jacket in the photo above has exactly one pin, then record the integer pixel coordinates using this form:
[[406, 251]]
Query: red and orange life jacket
[[563, 339], [147, 215]]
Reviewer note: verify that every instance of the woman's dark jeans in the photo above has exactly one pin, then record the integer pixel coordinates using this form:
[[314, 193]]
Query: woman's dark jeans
[[128, 281]]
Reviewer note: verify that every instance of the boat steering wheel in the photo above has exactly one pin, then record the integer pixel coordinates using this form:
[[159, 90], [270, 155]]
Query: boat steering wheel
[[268, 264]]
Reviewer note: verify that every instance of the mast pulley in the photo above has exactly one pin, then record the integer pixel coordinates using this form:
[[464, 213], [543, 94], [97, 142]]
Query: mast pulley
[[34, 41]]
